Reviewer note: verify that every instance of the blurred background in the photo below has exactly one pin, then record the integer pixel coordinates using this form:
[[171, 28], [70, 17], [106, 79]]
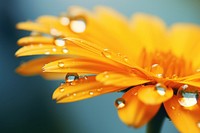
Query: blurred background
[[25, 102]]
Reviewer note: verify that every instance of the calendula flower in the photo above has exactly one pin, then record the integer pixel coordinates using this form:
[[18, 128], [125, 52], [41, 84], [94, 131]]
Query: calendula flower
[[102, 52]]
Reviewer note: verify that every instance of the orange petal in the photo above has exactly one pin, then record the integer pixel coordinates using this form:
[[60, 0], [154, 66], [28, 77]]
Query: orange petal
[[187, 121], [157, 94], [136, 113], [34, 67], [35, 40], [120, 79], [32, 26], [86, 87], [79, 65]]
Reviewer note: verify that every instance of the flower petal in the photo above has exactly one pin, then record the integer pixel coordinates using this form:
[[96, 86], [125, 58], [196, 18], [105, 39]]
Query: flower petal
[[34, 67], [82, 89], [32, 26], [120, 79], [187, 121], [80, 65], [151, 94], [136, 113]]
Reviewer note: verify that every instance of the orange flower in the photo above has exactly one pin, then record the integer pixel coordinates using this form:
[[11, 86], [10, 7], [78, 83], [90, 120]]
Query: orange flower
[[103, 52]]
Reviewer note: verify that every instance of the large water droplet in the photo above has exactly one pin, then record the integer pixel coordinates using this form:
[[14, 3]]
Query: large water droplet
[[161, 89], [78, 24], [157, 70], [61, 64], [120, 103], [106, 53], [71, 77], [187, 96], [59, 42], [64, 21]]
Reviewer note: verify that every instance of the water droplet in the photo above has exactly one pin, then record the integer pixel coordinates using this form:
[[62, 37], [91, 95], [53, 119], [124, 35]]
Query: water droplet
[[62, 89], [157, 70], [72, 78], [99, 89], [91, 93], [125, 59], [172, 107], [105, 75], [198, 124], [59, 42], [47, 53], [119, 103], [187, 96], [65, 50], [174, 76], [106, 53], [161, 89], [74, 94], [54, 49], [64, 21], [78, 25], [55, 32], [61, 64]]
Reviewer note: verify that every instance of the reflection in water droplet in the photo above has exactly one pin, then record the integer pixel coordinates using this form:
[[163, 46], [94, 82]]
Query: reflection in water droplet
[[74, 94], [72, 78], [161, 89], [157, 70], [120, 103], [106, 53], [59, 42], [64, 21], [65, 50], [61, 64], [187, 96], [78, 25], [91, 93]]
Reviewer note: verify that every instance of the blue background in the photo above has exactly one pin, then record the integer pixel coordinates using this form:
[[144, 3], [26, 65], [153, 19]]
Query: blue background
[[25, 102]]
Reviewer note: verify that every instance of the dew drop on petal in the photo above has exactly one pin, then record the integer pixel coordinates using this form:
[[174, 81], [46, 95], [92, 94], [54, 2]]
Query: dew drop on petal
[[187, 96], [119, 103], [54, 49], [125, 59], [99, 89], [71, 77], [61, 64], [198, 124], [59, 42], [161, 89], [106, 53], [64, 21], [74, 94], [47, 53], [65, 50], [172, 107], [78, 25], [55, 32], [62, 89], [157, 70], [91, 93]]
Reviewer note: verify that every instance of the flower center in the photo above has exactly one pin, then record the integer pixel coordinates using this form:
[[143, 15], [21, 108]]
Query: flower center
[[165, 64]]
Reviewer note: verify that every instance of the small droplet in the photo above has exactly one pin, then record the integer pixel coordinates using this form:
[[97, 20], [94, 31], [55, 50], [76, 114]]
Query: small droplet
[[174, 76], [172, 107], [187, 96], [119, 103], [64, 21], [161, 89], [55, 32], [126, 59], [198, 124], [61, 64], [47, 53], [71, 77], [91, 93], [106, 53], [74, 94], [65, 50], [105, 75], [54, 49], [59, 42], [78, 25], [157, 70], [99, 89], [62, 89]]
